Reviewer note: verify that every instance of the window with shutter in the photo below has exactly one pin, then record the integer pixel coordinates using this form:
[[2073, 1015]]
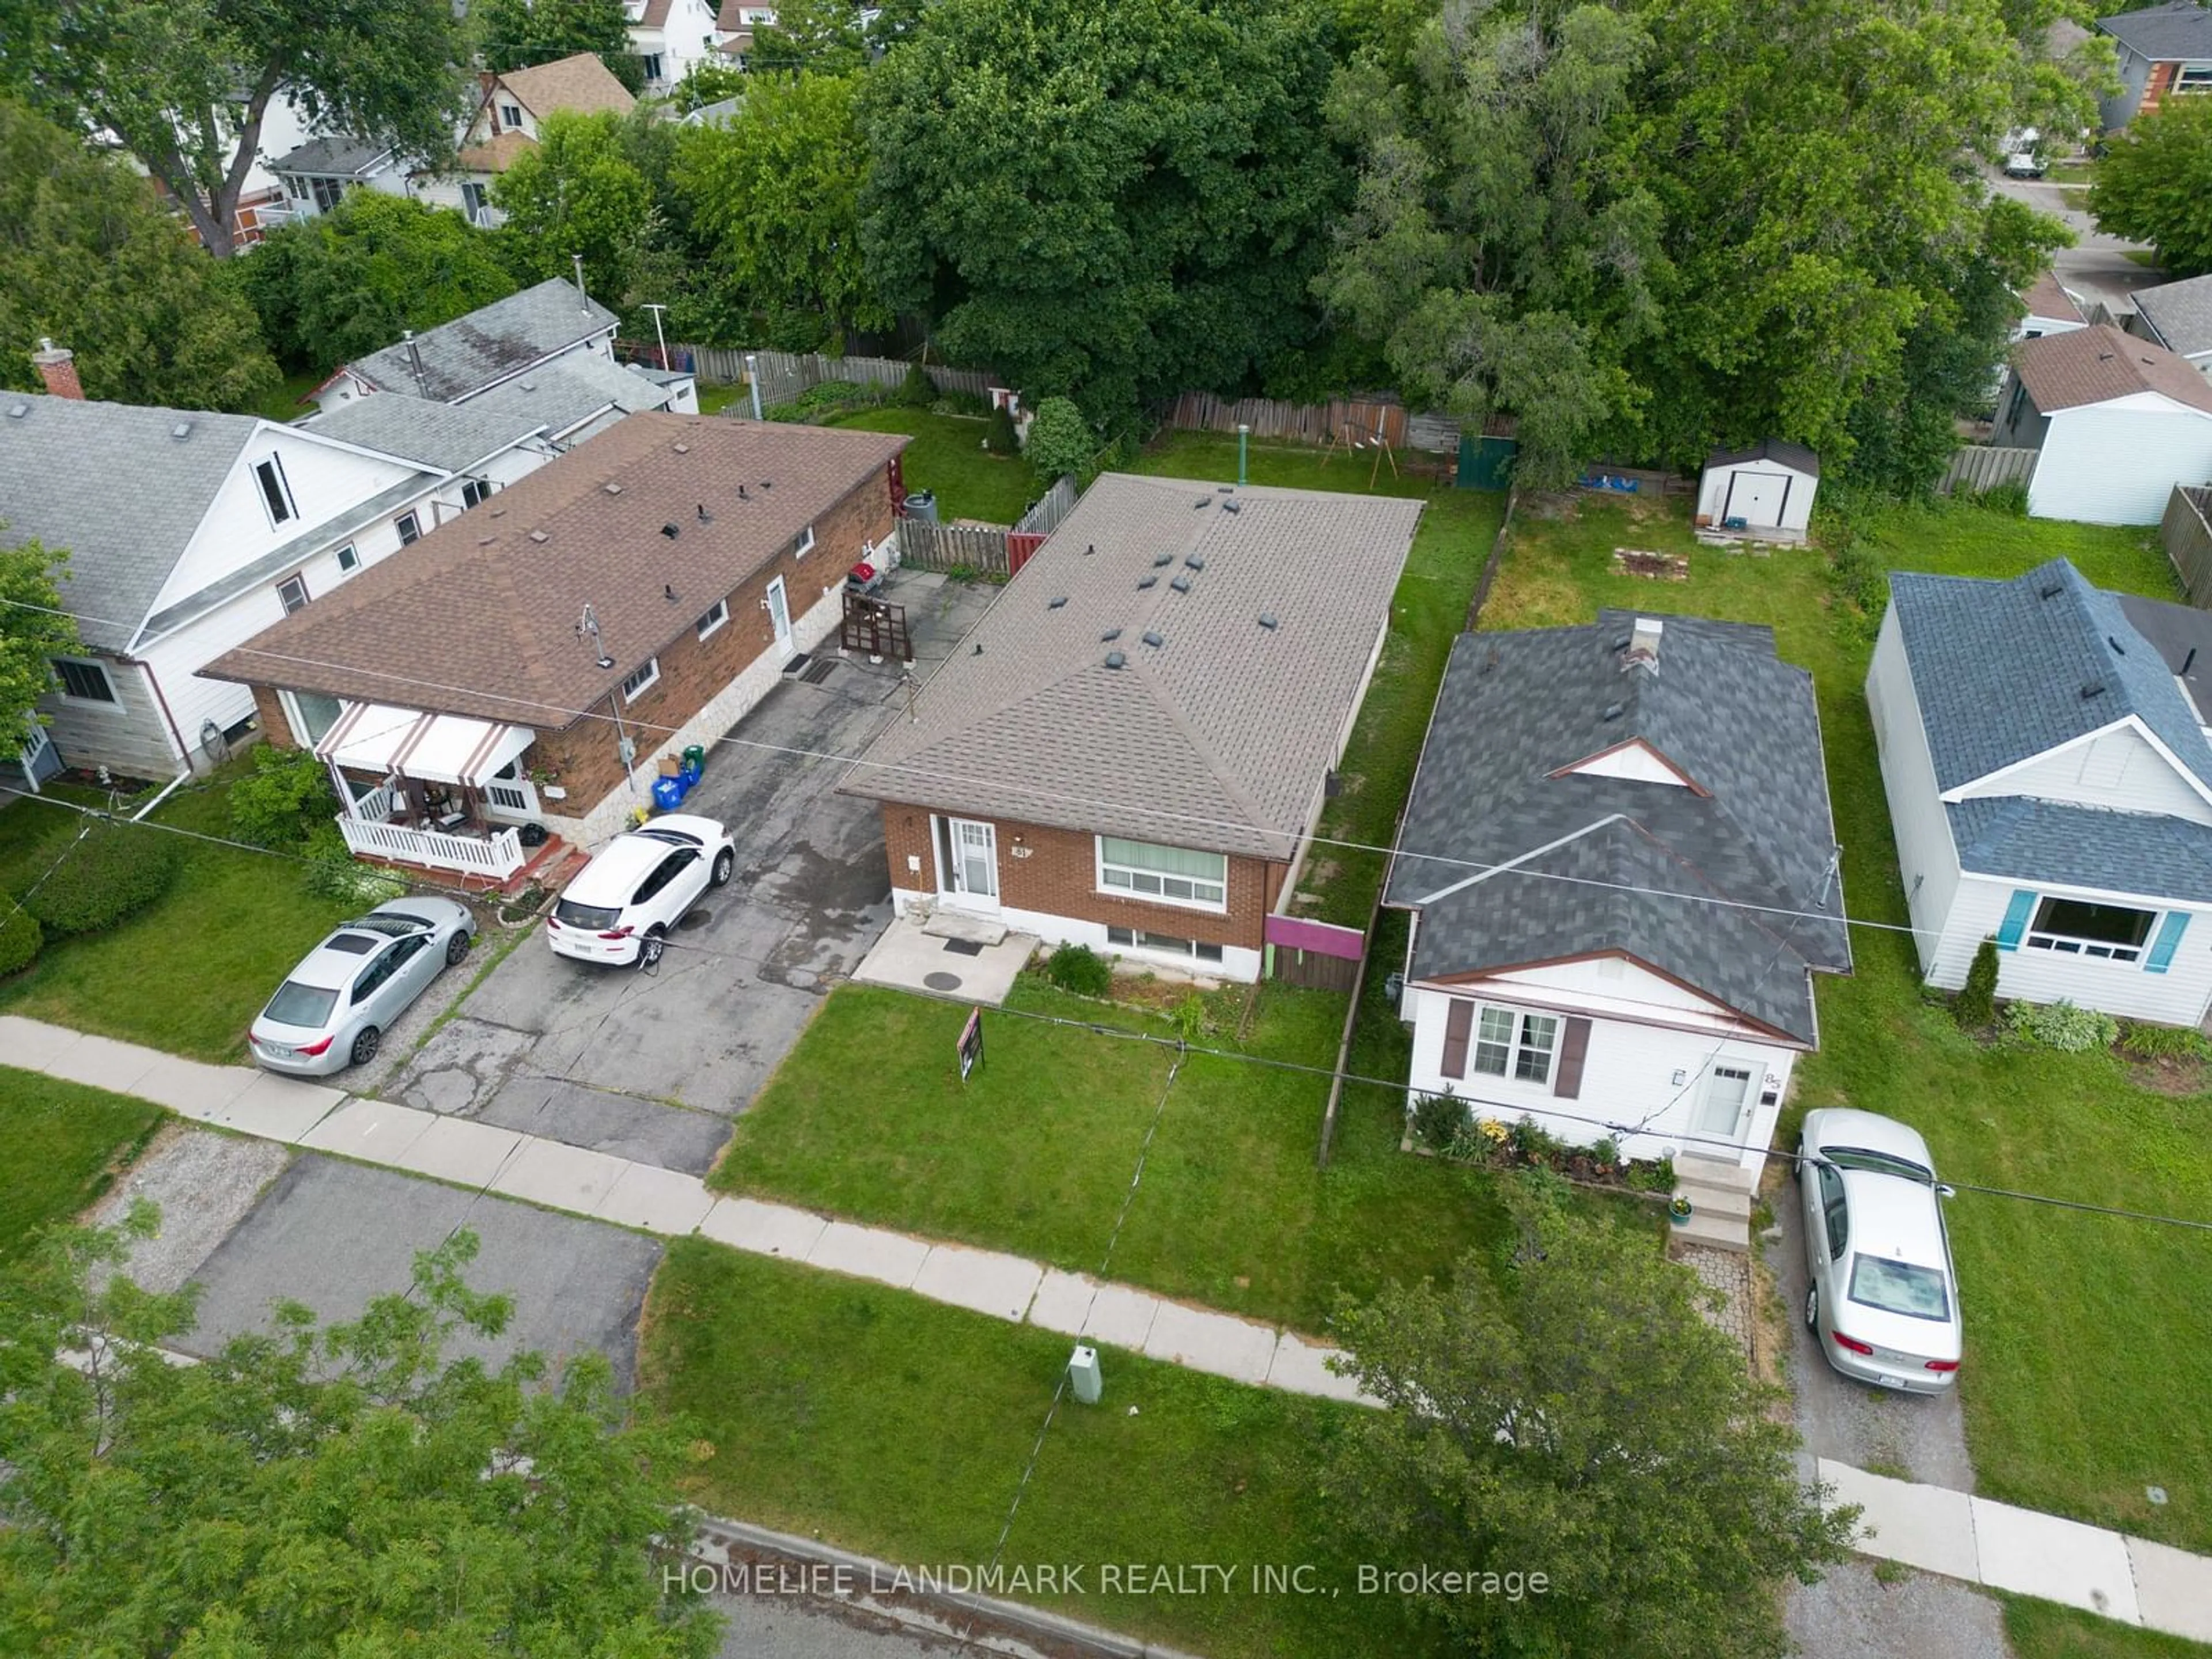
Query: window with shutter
[[1574, 1045], [1459, 1024]]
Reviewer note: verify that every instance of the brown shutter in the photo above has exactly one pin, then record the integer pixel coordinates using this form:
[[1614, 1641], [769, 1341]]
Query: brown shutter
[[1574, 1044], [1458, 1024]]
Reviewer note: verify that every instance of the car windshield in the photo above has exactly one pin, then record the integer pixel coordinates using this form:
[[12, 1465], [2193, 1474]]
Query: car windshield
[[392, 923], [569, 914], [1889, 1164], [1900, 1287], [296, 1003]]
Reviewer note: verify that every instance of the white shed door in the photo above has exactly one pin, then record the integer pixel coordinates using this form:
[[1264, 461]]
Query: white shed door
[[1756, 497]]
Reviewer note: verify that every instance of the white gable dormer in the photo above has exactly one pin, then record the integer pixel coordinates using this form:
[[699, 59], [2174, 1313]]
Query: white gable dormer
[[1633, 758], [2121, 768]]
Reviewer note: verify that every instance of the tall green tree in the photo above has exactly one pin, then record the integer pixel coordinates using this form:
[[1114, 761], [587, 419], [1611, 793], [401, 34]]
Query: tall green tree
[[1105, 199], [522, 34], [319, 1492], [577, 190], [90, 256], [1565, 1410], [816, 37], [2154, 184], [34, 630], [185, 86]]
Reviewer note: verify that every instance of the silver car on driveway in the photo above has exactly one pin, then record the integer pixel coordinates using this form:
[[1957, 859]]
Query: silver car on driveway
[[1883, 1301], [334, 1009]]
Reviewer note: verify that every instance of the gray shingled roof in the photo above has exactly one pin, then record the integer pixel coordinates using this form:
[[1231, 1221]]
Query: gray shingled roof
[[341, 158], [112, 484], [559, 394], [446, 437], [2181, 313], [2000, 668], [1611, 864], [2147, 853], [472, 352], [2177, 31], [1219, 737], [2182, 636]]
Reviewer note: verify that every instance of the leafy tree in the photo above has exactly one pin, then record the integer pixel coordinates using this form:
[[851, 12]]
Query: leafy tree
[[576, 190], [895, 20], [522, 33], [772, 196], [317, 1493], [1976, 1005], [185, 86], [2154, 184], [90, 256], [349, 281], [1060, 441], [284, 799], [1000, 437], [1565, 1410], [811, 37], [34, 629], [1109, 200], [708, 82]]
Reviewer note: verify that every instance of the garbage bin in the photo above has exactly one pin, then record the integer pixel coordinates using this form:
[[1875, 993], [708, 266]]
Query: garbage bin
[[668, 794], [695, 761], [922, 506]]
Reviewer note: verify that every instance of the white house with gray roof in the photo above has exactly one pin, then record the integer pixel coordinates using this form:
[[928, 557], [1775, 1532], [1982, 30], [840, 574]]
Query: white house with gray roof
[[491, 347], [580, 395], [2044, 748], [1621, 868], [188, 533], [2178, 316], [317, 174]]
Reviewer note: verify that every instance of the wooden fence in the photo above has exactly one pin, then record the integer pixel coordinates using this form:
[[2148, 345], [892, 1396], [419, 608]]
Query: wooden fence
[[785, 374], [1978, 467], [1339, 420], [2188, 538], [982, 547]]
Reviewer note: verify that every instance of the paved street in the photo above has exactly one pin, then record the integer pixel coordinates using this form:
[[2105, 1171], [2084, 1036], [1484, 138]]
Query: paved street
[[2097, 267]]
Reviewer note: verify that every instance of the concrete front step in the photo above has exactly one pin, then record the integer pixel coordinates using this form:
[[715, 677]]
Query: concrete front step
[[1714, 1231], [1693, 1169], [960, 925], [1715, 1200]]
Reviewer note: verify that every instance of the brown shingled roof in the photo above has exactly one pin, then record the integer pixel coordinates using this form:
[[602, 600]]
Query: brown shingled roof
[[494, 156], [2096, 365], [581, 82], [2046, 298], [480, 618]]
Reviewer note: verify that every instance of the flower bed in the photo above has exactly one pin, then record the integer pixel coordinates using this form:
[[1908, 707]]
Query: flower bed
[[1442, 1127]]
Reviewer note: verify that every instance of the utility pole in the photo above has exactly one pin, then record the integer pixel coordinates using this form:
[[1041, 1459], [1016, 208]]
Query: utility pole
[[588, 629], [659, 336], [752, 379], [583, 294]]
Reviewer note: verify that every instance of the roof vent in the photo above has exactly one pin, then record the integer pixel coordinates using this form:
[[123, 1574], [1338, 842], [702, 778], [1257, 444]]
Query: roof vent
[[767, 483], [1153, 638], [1267, 621], [1109, 636], [705, 517], [1195, 562], [2119, 650], [1612, 711], [1055, 601], [530, 386], [1201, 502], [613, 489], [16, 412], [498, 513], [671, 531], [1160, 561], [539, 536], [2049, 590], [1144, 582], [2093, 689], [486, 541], [1233, 507], [1644, 644], [683, 449], [741, 493], [1224, 489], [1088, 549], [1181, 583], [182, 429], [1115, 660]]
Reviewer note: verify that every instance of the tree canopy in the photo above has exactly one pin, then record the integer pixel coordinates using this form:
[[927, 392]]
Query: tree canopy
[[90, 256], [2154, 184], [310, 1492], [577, 190], [32, 631], [816, 37], [185, 86], [522, 34], [1565, 1410]]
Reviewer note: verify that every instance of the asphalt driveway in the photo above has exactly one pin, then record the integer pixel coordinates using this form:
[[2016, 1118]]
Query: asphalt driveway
[[578, 1052]]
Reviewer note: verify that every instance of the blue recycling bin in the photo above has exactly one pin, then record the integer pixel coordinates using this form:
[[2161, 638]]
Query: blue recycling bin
[[668, 794]]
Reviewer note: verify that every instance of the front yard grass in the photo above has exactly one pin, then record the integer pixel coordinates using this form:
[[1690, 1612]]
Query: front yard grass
[[188, 973], [2087, 1336], [947, 457], [899, 1427], [63, 1142]]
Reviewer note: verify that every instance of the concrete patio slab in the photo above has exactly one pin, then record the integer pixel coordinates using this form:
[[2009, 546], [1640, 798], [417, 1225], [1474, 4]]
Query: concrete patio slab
[[869, 1252], [32, 1044], [1931, 1528], [1121, 1316], [374, 1131], [2057, 1559], [908, 959], [658, 1200], [1300, 1367], [2173, 1589], [1214, 1342], [1061, 1301], [746, 1223], [285, 1108], [565, 1177], [984, 1281], [102, 1062], [191, 1089], [454, 1149]]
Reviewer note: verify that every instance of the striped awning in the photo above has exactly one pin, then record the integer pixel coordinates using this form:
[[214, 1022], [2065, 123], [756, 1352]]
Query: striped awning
[[374, 737]]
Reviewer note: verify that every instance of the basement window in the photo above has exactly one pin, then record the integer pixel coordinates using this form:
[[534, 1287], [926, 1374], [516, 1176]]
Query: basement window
[[1136, 939]]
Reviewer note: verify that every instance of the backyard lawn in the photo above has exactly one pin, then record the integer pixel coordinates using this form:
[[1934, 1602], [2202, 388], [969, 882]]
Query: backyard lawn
[[63, 1141], [2044, 1630], [284, 404], [947, 456], [2085, 1336]]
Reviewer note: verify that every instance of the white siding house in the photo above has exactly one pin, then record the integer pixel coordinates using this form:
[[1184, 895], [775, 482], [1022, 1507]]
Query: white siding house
[[1766, 488], [491, 347], [2050, 784], [670, 38], [2118, 422]]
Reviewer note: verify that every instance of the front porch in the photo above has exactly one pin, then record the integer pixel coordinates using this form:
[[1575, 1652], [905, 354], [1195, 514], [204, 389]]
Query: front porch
[[435, 792]]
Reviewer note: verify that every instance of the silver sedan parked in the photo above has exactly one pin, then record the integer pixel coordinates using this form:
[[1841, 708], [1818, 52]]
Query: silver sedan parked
[[334, 1009], [1884, 1301]]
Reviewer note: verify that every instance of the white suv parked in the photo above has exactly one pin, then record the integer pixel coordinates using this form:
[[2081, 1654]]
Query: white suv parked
[[622, 905]]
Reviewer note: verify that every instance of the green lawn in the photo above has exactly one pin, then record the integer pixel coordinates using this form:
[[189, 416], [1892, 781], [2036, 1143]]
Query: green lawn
[[2085, 1335], [2044, 1630], [284, 404], [899, 1427], [189, 974], [63, 1140], [947, 457], [713, 399]]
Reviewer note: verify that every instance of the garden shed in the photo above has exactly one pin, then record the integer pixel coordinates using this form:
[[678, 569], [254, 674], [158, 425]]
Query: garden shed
[[1764, 489]]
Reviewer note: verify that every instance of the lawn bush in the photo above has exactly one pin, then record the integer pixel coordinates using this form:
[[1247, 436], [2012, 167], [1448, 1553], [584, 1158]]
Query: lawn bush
[[2010, 497], [1439, 1120], [971, 404], [284, 799], [2142, 1041], [1081, 970], [334, 872], [999, 437], [2061, 1025], [919, 391], [1976, 1005], [116, 871], [20, 936], [1061, 442]]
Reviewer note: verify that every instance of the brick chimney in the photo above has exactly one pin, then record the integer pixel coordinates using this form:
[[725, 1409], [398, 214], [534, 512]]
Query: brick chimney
[[58, 367]]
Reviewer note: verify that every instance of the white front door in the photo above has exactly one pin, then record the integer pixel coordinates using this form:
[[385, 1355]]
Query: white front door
[[1725, 1101], [779, 612], [970, 851]]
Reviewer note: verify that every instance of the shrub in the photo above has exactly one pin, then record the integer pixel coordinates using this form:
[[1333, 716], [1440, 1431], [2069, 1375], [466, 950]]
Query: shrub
[[1976, 1005], [920, 391], [1439, 1121], [1081, 970], [2061, 1025], [1645, 1177], [20, 936], [999, 438], [1533, 1143], [2146, 1041], [2009, 497], [115, 870], [284, 799], [962, 402], [334, 872], [1061, 442], [1605, 1152], [1190, 1017]]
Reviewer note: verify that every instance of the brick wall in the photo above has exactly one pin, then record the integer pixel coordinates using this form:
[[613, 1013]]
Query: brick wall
[[269, 712], [2155, 88], [1055, 871]]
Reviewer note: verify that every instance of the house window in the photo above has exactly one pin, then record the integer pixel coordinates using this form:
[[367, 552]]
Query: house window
[[293, 592], [652, 62], [1136, 939], [2193, 77], [86, 682], [473, 490], [276, 494], [640, 681], [310, 714], [2019, 402], [510, 116], [714, 618], [326, 192], [806, 544], [410, 530], [1175, 875], [473, 198], [349, 560], [2073, 927], [1509, 1043]]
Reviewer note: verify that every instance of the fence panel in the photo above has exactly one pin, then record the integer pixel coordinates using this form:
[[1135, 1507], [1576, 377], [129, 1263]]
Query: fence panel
[[1978, 467], [1042, 520], [785, 374], [953, 547], [1341, 420], [2188, 539]]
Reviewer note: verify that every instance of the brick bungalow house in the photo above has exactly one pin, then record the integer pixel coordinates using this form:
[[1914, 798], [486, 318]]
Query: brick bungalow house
[[455, 692], [1129, 751]]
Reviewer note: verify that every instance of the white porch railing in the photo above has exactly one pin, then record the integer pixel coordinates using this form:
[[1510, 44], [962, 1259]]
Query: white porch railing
[[499, 857], [511, 797], [376, 806]]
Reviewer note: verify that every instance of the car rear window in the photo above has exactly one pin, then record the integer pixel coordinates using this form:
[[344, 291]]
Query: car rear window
[[1900, 1287], [569, 914], [296, 1003]]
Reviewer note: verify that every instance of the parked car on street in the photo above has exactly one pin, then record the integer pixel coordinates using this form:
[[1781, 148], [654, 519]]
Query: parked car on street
[[333, 1011], [1884, 1300], [621, 906], [2023, 154]]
